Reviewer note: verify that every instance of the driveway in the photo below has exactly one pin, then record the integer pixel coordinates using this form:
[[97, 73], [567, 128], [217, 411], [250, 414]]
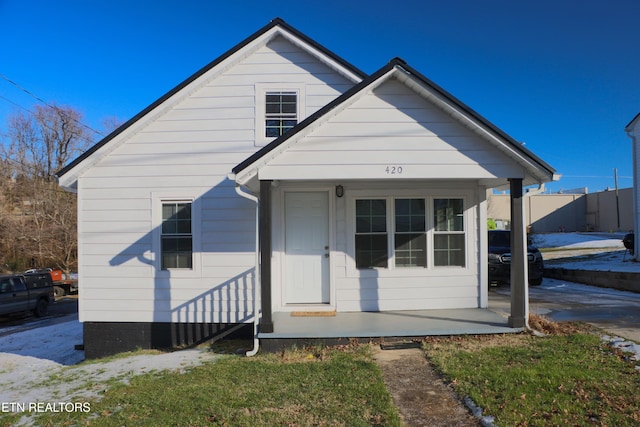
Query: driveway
[[63, 310], [617, 312]]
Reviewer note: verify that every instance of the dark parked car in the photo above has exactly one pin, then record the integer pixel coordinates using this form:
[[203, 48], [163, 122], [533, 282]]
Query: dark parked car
[[500, 259]]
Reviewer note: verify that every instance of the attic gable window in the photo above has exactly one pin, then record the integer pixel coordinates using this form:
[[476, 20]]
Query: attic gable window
[[281, 112], [279, 107]]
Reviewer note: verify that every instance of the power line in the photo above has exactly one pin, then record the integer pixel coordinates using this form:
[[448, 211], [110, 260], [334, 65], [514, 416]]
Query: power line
[[25, 90], [594, 176], [37, 98], [46, 125], [16, 104]]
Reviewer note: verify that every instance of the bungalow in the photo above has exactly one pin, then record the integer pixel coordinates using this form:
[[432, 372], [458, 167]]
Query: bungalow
[[280, 182]]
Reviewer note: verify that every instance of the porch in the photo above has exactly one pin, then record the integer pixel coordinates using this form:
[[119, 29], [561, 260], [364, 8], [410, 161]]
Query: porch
[[410, 323]]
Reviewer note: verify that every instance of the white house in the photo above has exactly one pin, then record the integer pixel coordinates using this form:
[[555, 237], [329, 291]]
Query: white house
[[279, 179], [633, 130]]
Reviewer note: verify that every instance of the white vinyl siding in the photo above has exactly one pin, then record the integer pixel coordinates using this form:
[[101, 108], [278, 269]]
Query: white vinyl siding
[[185, 147], [400, 287], [389, 133], [395, 287]]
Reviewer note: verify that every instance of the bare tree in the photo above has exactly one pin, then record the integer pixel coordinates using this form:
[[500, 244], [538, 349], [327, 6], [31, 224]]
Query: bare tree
[[38, 225], [111, 123], [47, 139]]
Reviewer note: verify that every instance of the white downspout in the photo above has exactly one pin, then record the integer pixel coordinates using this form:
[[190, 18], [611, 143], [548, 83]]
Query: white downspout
[[256, 297]]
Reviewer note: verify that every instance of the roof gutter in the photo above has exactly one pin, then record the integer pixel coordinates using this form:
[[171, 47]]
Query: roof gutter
[[256, 275]]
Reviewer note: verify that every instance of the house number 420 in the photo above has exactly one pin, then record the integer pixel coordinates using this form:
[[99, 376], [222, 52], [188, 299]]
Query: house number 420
[[393, 170]]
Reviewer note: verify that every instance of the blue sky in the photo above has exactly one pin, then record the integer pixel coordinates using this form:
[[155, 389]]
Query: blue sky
[[559, 75]]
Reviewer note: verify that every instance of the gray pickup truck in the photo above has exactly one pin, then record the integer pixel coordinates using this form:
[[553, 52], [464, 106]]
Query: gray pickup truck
[[26, 292]]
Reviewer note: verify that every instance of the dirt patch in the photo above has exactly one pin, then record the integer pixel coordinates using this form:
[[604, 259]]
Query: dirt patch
[[419, 393]]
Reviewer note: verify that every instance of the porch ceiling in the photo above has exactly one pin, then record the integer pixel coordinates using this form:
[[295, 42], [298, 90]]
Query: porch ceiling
[[413, 323]]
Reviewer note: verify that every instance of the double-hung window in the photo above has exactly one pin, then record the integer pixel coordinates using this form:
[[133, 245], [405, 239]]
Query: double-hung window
[[425, 233], [281, 112], [371, 233], [448, 239], [279, 107], [410, 236], [176, 239]]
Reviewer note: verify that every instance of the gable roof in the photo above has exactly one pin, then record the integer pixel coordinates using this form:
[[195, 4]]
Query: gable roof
[[629, 126], [311, 46], [541, 171]]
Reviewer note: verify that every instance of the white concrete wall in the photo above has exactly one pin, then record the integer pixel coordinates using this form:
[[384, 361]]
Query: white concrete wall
[[548, 213]]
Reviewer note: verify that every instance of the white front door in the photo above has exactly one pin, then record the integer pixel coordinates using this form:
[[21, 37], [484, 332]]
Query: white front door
[[307, 247]]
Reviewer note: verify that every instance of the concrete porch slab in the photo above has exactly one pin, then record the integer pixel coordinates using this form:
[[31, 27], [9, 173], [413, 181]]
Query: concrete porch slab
[[413, 323]]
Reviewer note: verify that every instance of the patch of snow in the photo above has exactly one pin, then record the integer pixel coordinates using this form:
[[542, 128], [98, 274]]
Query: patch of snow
[[578, 240], [603, 261], [624, 345], [569, 251], [41, 365], [55, 343]]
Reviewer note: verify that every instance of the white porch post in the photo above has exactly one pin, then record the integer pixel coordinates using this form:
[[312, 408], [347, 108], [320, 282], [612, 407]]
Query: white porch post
[[519, 275]]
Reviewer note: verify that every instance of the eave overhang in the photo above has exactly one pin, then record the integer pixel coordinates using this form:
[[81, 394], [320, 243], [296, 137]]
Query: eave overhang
[[534, 170], [68, 175]]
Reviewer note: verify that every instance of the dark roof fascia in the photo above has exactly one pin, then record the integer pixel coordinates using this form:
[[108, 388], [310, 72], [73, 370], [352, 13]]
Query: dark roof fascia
[[628, 126], [316, 45], [275, 22], [351, 92], [476, 116], [312, 118]]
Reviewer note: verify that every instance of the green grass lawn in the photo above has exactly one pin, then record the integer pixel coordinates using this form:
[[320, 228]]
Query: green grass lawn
[[566, 379], [569, 377], [326, 387]]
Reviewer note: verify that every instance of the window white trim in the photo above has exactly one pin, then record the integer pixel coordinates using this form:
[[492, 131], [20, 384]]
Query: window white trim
[[158, 199], [436, 232], [429, 196], [261, 89]]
